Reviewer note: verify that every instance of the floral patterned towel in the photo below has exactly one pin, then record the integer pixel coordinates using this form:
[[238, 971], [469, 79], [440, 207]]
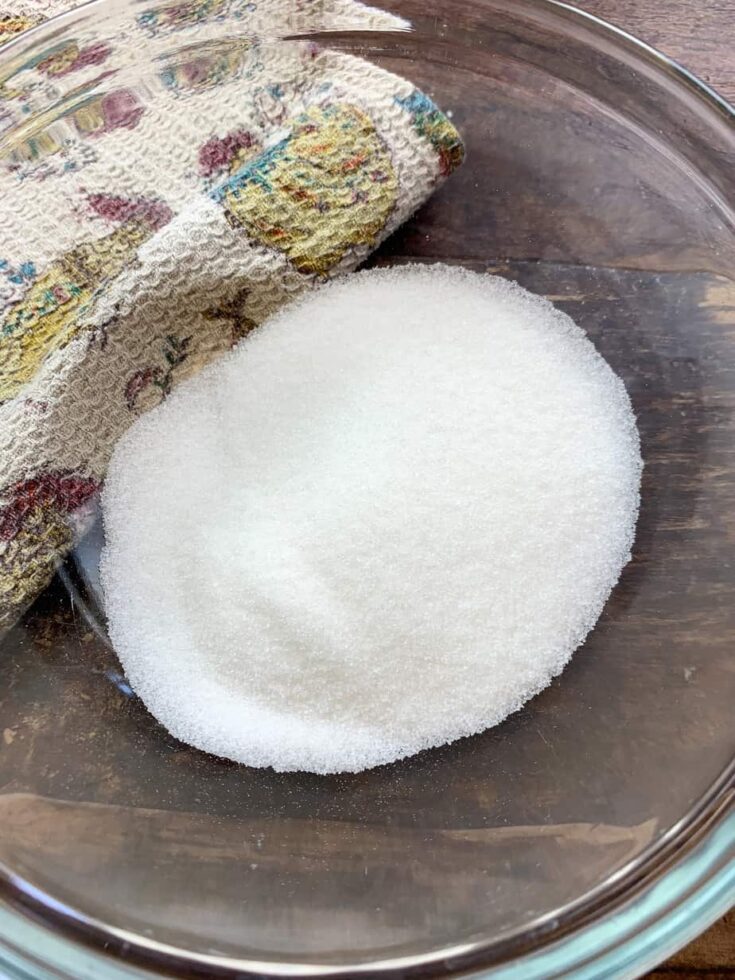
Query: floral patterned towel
[[147, 225]]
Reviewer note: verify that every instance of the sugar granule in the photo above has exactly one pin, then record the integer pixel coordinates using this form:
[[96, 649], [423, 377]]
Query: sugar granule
[[384, 521]]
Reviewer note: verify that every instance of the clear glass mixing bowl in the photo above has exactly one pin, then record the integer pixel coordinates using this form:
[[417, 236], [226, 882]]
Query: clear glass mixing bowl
[[593, 832]]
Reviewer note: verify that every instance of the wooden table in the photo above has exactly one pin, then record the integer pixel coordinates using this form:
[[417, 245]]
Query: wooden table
[[700, 36], [698, 33]]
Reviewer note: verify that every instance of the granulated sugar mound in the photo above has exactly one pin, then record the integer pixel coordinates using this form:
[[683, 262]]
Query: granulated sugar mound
[[384, 521]]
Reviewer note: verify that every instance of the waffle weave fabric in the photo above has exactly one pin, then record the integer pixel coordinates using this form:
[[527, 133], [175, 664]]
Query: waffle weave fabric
[[150, 222]]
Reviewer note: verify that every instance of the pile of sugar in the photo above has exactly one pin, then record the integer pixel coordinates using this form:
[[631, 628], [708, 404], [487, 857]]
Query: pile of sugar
[[383, 522]]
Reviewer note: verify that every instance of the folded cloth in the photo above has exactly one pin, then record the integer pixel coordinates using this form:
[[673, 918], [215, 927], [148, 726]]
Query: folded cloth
[[143, 235]]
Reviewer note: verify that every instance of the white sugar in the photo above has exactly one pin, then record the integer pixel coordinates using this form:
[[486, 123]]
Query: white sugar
[[383, 522]]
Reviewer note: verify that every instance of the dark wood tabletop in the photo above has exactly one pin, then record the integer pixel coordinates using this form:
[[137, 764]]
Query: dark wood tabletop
[[67, 710], [697, 34], [700, 36]]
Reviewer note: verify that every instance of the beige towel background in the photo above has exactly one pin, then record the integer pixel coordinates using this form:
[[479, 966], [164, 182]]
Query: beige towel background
[[170, 175]]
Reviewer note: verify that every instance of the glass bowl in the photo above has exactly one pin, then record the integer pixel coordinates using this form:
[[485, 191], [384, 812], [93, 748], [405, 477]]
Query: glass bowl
[[593, 832]]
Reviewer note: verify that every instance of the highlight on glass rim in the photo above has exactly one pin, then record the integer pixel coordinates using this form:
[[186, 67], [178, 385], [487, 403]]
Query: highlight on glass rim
[[366, 489]]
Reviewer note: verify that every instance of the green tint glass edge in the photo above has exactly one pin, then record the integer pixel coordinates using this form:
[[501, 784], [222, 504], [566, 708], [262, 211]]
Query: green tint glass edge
[[662, 918]]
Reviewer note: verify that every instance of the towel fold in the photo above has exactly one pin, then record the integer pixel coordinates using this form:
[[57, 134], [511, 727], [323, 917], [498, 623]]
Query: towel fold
[[151, 223]]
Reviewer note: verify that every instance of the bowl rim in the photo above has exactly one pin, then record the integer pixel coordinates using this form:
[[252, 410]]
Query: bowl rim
[[663, 916], [674, 67], [653, 906]]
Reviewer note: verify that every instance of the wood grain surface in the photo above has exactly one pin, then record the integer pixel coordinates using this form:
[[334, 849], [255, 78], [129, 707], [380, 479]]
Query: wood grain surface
[[699, 35], [98, 803]]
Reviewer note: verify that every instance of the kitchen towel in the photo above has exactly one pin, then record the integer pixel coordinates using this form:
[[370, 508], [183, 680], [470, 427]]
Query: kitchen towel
[[170, 175]]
